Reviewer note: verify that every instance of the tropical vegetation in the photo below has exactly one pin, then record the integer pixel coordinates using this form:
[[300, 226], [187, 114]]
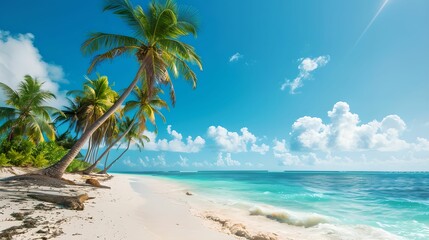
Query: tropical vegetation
[[26, 113], [155, 46], [34, 134]]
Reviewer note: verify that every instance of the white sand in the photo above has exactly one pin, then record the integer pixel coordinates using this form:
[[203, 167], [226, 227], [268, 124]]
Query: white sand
[[150, 208], [116, 213]]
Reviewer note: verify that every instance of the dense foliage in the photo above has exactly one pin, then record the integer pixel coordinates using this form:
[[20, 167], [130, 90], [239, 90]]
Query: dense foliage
[[23, 152], [97, 115]]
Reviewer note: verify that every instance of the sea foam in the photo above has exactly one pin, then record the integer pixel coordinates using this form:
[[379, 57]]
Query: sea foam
[[325, 225], [290, 217]]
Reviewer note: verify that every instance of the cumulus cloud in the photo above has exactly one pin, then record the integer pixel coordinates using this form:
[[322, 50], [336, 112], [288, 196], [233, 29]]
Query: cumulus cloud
[[158, 161], [261, 149], [234, 58], [281, 151], [422, 144], [287, 158], [306, 67], [346, 133], [226, 161], [176, 144], [19, 57], [235, 142]]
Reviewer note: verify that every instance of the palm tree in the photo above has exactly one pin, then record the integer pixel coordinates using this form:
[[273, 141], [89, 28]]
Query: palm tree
[[26, 114], [157, 49], [71, 116], [133, 134], [93, 101], [145, 107]]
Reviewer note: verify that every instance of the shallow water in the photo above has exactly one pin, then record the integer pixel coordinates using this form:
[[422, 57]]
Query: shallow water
[[395, 202]]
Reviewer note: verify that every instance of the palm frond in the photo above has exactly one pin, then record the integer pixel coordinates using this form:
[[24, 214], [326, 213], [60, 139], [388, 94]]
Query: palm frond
[[125, 10], [99, 40], [115, 52]]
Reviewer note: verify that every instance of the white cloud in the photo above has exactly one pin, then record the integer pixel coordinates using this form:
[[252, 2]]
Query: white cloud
[[145, 162], [176, 144], [128, 162], [345, 132], [280, 151], [19, 57], [422, 144], [183, 162], [287, 158], [261, 149], [202, 164], [310, 132], [235, 142], [306, 66], [237, 56], [226, 161], [158, 161]]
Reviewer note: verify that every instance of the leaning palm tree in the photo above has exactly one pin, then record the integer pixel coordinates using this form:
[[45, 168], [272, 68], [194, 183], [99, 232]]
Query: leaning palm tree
[[156, 47], [95, 99], [25, 113], [145, 107], [133, 135]]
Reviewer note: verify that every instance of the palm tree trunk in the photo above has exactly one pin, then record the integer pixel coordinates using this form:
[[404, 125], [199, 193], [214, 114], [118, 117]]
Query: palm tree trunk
[[90, 168], [57, 170], [88, 151], [95, 153], [110, 165], [107, 158]]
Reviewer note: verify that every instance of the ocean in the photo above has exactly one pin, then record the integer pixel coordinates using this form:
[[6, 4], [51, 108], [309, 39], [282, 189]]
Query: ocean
[[395, 202]]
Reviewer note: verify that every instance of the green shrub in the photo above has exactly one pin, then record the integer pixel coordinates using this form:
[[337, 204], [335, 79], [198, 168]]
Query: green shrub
[[20, 159], [77, 165], [40, 161], [51, 152], [23, 153], [3, 160]]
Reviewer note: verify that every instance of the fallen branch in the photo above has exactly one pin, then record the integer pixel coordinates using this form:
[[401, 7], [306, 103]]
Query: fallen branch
[[69, 202]]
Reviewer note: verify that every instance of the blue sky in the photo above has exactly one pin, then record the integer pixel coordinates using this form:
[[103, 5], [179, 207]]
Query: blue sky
[[349, 101]]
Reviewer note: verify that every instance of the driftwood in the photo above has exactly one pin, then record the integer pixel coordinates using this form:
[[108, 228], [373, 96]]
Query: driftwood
[[69, 202], [95, 183]]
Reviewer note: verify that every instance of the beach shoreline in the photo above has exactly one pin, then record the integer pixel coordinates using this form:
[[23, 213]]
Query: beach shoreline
[[116, 213], [152, 207]]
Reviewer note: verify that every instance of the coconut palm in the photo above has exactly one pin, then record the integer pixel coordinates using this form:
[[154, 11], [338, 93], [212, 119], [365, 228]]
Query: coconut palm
[[70, 115], [156, 47], [145, 107], [25, 113], [93, 101], [133, 135]]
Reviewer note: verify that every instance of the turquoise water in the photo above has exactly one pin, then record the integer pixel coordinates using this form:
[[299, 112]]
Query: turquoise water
[[395, 202]]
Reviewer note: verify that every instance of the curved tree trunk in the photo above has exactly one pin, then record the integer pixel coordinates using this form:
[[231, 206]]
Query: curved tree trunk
[[57, 170], [107, 158], [88, 152], [111, 164], [90, 168]]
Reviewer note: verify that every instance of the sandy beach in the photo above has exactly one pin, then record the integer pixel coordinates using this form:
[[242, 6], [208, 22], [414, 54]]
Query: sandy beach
[[116, 213], [141, 207]]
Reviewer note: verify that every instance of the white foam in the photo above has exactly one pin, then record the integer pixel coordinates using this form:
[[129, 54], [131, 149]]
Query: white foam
[[324, 225], [352, 232], [290, 217]]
